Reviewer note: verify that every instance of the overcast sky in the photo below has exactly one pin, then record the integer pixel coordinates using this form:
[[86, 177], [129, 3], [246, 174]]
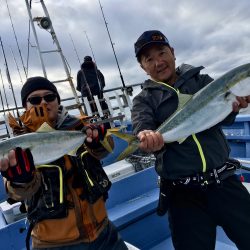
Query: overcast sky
[[212, 33]]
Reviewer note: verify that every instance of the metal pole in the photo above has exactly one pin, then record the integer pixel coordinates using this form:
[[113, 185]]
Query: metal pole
[[53, 34], [36, 39]]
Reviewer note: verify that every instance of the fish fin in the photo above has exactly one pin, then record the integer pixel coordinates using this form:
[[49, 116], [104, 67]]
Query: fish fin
[[105, 143], [45, 127], [181, 140], [74, 151], [132, 144], [132, 147], [120, 152], [183, 99], [124, 136], [242, 88]]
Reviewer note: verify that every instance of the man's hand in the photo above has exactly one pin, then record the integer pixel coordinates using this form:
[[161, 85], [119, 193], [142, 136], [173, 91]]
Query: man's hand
[[242, 102], [150, 141], [18, 167], [95, 134], [35, 117]]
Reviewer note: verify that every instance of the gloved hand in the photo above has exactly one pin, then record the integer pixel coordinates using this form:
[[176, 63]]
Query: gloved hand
[[95, 134], [35, 117], [23, 170]]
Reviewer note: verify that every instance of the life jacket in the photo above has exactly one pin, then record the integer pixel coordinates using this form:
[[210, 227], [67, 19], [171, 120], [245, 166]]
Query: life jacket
[[69, 206], [69, 184]]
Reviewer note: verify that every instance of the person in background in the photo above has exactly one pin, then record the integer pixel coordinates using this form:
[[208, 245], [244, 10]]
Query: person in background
[[198, 186], [80, 221], [91, 82]]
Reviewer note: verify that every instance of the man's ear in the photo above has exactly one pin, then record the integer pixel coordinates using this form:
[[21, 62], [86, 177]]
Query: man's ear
[[172, 51], [144, 69]]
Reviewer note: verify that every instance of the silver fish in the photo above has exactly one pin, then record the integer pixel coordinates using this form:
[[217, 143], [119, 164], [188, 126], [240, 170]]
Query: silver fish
[[45, 146], [207, 107], [199, 112]]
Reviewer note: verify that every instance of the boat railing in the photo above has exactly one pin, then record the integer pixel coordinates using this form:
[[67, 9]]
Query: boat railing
[[118, 100]]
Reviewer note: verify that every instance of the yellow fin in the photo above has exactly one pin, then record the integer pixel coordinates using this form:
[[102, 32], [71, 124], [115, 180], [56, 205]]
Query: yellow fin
[[181, 140], [105, 143], [183, 99], [74, 151], [132, 147], [45, 127], [124, 136], [133, 144]]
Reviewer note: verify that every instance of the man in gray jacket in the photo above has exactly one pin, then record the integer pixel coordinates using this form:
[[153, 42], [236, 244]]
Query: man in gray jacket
[[196, 208]]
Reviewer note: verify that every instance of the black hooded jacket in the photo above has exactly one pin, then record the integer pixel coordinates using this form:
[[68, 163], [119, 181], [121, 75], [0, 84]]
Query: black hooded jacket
[[155, 103], [94, 79]]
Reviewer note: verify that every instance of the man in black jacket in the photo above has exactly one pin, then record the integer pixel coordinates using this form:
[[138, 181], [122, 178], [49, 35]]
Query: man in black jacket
[[91, 82], [198, 187]]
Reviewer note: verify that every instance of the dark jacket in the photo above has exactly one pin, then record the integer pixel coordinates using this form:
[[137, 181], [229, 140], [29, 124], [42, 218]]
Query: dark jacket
[[156, 103], [94, 79]]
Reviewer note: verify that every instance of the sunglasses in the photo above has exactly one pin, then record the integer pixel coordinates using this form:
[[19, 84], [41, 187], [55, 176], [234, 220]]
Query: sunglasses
[[36, 100]]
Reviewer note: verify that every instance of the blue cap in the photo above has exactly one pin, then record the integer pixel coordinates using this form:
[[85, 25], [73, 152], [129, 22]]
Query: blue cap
[[149, 37]]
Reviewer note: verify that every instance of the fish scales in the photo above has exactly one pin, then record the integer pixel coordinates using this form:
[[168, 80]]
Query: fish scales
[[208, 106]]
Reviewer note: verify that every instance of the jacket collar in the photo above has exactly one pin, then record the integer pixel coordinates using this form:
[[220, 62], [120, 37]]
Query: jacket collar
[[184, 72]]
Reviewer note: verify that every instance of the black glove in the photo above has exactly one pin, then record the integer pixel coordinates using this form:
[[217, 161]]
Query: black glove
[[95, 141], [23, 171]]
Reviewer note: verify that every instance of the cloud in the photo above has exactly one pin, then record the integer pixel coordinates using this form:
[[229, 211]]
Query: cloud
[[211, 33]]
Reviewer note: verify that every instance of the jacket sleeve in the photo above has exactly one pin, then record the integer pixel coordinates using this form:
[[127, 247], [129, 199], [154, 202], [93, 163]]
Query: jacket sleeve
[[101, 79], [78, 86], [229, 120], [23, 191], [142, 115]]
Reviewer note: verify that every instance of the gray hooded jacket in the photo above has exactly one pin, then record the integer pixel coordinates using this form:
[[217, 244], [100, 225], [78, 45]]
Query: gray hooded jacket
[[156, 102]]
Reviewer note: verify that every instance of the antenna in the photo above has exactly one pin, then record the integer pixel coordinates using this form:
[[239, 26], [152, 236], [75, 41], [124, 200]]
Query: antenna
[[112, 44]]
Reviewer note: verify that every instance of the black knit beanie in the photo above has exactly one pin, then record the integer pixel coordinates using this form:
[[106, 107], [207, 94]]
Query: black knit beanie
[[37, 83]]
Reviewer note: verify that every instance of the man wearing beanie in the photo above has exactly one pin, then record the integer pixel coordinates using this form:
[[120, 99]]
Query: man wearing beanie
[[198, 186], [63, 209]]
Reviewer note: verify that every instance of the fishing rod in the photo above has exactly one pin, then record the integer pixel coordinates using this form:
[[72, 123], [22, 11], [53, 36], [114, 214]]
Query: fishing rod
[[1, 96], [9, 80], [92, 52], [6, 100], [16, 38], [16, 65], [75, 49], [112, 44], [84, 76]]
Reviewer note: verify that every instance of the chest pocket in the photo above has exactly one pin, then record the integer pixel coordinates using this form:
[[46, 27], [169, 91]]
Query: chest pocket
[[49, 201], [95, 181]]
